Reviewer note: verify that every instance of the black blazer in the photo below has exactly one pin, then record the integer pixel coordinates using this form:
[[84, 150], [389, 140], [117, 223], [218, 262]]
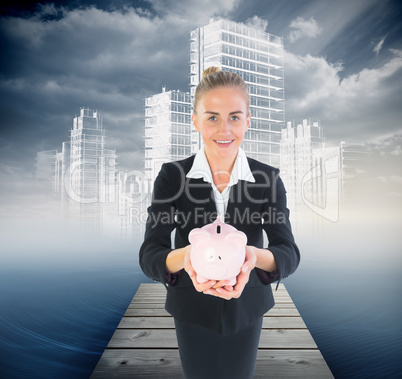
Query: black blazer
[[181, 204]]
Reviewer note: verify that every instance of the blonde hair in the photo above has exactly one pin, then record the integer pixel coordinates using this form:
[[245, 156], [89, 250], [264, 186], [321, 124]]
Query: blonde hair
[[213, 77]]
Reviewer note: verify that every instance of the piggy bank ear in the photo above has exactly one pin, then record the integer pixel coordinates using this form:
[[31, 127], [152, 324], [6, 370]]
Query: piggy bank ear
[[238, 238], [197, 235]]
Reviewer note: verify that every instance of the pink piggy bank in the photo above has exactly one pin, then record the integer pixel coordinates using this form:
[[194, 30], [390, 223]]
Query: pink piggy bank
[[218, 251]]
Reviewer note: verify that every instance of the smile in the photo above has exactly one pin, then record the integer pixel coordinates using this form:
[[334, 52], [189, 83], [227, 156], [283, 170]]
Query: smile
[[224, 142]]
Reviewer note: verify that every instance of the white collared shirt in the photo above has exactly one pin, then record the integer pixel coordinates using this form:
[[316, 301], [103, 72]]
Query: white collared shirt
[[241, 171]]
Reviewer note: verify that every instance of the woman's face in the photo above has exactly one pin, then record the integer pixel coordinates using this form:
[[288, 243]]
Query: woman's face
[[222, 119]]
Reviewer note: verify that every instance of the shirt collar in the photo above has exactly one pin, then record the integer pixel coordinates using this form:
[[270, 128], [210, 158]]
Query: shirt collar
[[201, 170]]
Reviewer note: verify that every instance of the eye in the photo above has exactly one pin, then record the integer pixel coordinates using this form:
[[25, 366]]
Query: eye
[[212, 118], [234, 118]]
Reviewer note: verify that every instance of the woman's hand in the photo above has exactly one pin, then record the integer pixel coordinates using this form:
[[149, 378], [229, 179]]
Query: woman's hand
[[201, 287], [228, 292]]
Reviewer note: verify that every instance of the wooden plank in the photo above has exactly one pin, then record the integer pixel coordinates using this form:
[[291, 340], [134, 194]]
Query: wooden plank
[[286, 339], [283, 323], [139, 364], [166, 338], [158, 363], [162, 305], [146, 322], [162, 293], [291, 364], [157, 288], [144, 344], [155, 312], [167, 322], [161, 300]]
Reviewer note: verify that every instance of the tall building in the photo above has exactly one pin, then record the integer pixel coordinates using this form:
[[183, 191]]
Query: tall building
[[48, 168], [253, 54], [167, 129], [299, 145], [132, 195], [90, 165], [258, 58], [355, 160], [326, 182], [315, 175], [84, 172]]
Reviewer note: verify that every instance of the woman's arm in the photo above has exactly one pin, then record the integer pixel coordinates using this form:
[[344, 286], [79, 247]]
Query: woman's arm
[[279, 232], [265, 259], [175, 260], [157, 240], [158, 260]]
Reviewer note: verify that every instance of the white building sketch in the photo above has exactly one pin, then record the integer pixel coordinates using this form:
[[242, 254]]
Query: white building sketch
[[253, 54], [319, 178], [298, 145], [84, 172], [85, 175], [91, 165], [258, 58], [167, 129], [356, 162], [48, 168], [307, 164]]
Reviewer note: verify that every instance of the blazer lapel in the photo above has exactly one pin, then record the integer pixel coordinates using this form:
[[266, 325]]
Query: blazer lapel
[[201, 194], [235, 203]]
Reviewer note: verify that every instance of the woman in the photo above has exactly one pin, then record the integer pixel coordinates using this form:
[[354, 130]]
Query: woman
[[218, 326]]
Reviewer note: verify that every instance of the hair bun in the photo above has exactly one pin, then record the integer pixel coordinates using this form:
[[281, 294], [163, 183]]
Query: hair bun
[[210, 70], [213, 77]]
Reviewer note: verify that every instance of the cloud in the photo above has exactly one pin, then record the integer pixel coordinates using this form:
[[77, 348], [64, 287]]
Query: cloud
[[387, 141], [391, 179], [377, 48], [257, 23], [397, 151], [396, 179], [359, 107], [303, 29], [198, 12], [58, 60]]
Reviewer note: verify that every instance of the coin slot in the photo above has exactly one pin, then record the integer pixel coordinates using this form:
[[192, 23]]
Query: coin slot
[[218, 229]]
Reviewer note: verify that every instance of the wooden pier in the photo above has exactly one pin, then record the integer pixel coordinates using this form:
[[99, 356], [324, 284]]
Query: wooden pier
[[144, 344]]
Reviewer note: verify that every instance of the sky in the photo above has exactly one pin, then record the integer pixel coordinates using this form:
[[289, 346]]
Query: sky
[[343, 66]]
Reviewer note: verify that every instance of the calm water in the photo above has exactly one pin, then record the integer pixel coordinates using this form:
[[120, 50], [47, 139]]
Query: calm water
[[62, 300]]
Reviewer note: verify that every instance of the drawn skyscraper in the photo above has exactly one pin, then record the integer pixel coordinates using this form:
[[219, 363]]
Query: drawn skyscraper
[[356, 162], [84, 171], [253, 54], [297, 146], [48, 166], [167, 129], [90, 165], [258, 58]]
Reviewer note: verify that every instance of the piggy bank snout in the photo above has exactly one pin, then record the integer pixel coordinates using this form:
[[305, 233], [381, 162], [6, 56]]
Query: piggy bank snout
[[211, 255], [217, 252]]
